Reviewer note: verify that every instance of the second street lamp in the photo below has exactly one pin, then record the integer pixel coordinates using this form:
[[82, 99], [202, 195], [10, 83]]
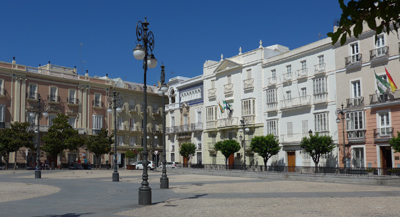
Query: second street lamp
[[115, 175], [342, 113], [164, 181], [244, 129], [38, 172], [145, 42]]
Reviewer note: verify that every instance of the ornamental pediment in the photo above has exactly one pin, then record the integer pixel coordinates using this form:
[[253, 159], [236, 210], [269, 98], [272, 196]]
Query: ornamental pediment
[[226, 65]]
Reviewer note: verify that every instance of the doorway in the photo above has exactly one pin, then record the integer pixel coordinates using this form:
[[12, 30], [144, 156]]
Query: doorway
[[71, 158], [231, 161], [386, 158], [291, 161]]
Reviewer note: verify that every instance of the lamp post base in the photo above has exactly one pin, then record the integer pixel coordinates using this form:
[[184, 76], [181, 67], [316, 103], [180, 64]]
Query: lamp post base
[[144, 195], [164, 182], [115, 177], [38, 174]]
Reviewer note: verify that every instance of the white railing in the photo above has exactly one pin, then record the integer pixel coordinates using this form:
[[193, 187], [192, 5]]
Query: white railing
[[248, 84], [227, 122], [294, 137], [295, 102], [320, 68], [320, 98], [211, 124], [212, 93], [272, 81], [287, 77], [302, 73], [228, 88], [272, 106], [249, 119]]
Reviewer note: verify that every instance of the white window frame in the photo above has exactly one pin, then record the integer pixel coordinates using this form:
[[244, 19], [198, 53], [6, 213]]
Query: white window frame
[[354, 53], [53, 96], [97, 122], [249, 74], [385, 129], [229, 79], [2, 87], [211, 114], [271, 96], [321, 60], [363, 164], [72, 119], [72, 97], [97, 104], [321, 122], [248, 107], [120, 123], [303, 64], [120, 140], [30, 92], [273, 73], [355, 119], [132, 141], [50, 119], [289, 69], [319, 85], [272, 127], [172, 124], [3, 112]]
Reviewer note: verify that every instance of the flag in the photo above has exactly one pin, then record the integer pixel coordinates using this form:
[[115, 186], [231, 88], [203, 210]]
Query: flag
[[220, 107], [381, 84], [227, 105], [392, 85]]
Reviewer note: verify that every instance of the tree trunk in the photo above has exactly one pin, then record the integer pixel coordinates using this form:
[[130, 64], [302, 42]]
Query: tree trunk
[[265, 164], [316, 166], [15, 160], [226, 163], [60, 160]]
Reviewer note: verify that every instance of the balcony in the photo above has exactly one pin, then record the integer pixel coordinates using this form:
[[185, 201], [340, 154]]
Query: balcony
[[53, 99], [380, 100], [355, 103], [383, 134], [271, 81], [212, 93], [272, 106], [184, 128], [211, 146], [296, 102], [96, 132], [211, 124], [199, 147], [356, 136], [72, 101], [249, 119], [293, 137], [32, 96], [379, 55], [302, 73], [228, 89], [353, 62], [42, 128], [287, 77], [227, 122], [97, 104], [248, 84], [134, 129], [320, 69], [196, 127], [320, 98], [121, 127]]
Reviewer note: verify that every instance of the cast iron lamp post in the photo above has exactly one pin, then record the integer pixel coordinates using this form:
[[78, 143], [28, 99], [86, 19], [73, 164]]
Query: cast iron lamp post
[[115, 175], [342, 114], [145, 42], [164, 181], [38, 172], [244, 129]]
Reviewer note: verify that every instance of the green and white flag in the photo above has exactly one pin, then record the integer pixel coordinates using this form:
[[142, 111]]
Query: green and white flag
[[382, 84]]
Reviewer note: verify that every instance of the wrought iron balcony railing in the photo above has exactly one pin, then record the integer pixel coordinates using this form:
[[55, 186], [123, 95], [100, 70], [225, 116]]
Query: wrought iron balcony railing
[[320, 68]]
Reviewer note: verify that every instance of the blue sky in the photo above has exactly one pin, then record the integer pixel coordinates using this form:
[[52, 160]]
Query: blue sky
[[187, 33]]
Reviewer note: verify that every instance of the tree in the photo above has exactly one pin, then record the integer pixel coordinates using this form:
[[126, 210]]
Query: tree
[[395, 142], [380, 15], [61, 136], [187, 149], [265, 146], [13, 138], [100, 144], [227, 147], [316, 146]]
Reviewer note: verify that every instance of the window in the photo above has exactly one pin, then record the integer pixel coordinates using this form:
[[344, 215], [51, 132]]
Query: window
[[185, 119], [172, 121], [304, 127], [288, 95], [132, 124], [384, 124], [2, 87], [321, 122], [172, 145], [380, 45], [2, 116], [356, 89], [72, 97], [32, 91], [229, 79], [72, 121], [173, 157], [132, 141], [248, 107], [51, 118], [199, 118], [249, 75], [321, 60], [271, 96], [132, 104], [273, 73], [97, 122], [289, 127], [303, 92], [212, 83], [358, 157], [272, 127], [31, 119], [289, 69], [120, 140], [53, 94], [97, 99], [354, 52], [211, 113], [355, 124], [120, 123], [303, 65], [319, 85]]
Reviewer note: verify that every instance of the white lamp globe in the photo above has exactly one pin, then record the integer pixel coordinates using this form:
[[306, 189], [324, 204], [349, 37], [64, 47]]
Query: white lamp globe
[[138, 52], [32, 114], [119, 110], [160, 92], [109, 110], [155, 137], [151, 61], [45, 114], [247, 129], [164, 88]]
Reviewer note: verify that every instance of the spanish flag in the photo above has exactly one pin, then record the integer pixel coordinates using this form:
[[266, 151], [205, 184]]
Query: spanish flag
[[393, 86], [220, 107]]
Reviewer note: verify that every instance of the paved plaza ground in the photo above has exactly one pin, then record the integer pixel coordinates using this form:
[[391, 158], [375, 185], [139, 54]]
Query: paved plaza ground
[[68, 193]]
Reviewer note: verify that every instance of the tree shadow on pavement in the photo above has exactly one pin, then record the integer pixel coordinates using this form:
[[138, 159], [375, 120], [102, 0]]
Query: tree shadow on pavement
[[67, 215]]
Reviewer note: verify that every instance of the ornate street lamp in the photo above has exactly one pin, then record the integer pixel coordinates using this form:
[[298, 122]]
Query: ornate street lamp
[[145, 43], [116, 108], [164, 181], [38, 172], [244, 129], [342, 113]]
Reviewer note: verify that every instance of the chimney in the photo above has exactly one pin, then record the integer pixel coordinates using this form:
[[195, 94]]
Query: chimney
[[87, 73], [13, 62]]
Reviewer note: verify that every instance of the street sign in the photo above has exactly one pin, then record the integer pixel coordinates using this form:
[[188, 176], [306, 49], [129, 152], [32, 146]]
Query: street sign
[[156, 152]]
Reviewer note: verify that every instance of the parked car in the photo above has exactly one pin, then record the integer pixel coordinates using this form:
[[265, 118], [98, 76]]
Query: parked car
[[139, 165], [170, 165]]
